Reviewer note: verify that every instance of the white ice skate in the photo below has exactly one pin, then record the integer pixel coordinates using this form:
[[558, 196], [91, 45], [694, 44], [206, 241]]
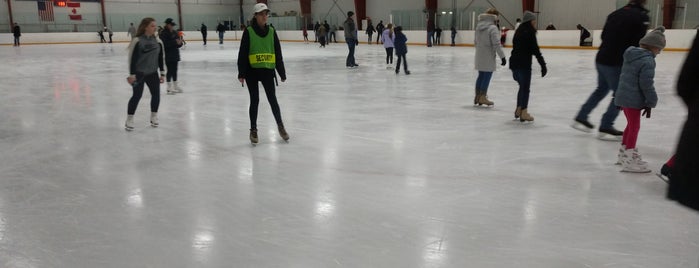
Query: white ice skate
[[633, 162]]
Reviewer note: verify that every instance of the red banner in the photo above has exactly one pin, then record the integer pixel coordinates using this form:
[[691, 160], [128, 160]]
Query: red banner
[[76, 17], [73, 4]]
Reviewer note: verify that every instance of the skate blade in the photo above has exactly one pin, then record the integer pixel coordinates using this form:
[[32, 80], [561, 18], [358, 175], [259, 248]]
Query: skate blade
[[581, 127], [607, 137], [636, 171], [662, 177], [128, 128]]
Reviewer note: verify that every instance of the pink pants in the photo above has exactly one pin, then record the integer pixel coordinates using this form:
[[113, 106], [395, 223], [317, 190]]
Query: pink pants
[[633, 126]]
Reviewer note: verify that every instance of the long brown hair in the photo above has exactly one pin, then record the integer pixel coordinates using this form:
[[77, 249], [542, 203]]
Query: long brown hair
[[145, 22]]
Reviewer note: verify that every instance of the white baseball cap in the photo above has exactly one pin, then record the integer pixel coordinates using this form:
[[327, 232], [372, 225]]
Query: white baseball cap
[[259, 7]]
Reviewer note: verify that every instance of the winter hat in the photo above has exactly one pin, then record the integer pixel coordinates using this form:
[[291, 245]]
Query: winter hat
[[655, 38], [350, 13], [528, 16], [259, 7], [170, 21]]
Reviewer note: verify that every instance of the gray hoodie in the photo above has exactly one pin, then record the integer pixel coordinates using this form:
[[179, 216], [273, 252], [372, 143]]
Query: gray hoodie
[[636, 88], [487, 39]]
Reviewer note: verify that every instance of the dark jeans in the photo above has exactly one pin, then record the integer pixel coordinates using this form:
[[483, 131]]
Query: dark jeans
[[483, 81], [350, 57], [607, 80], [524, 79], [220, 37], [453, 37], [16, 40], [153, 82], [370, 39], [405, 63], [430, 36], [389, 55], [171, 71], [332, 37], [266, 76], [203, 36]]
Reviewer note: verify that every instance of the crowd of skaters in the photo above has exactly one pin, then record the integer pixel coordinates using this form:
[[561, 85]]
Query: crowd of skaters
[[625, 65]]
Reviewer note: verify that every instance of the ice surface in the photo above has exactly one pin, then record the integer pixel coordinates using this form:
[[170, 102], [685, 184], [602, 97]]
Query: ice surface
[[382, 170]]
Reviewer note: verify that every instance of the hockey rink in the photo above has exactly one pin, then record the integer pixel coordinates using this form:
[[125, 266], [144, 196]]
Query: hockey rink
[[382, 170]]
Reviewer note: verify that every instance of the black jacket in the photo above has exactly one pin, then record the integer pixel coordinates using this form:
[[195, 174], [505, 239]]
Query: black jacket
[[172, 49], [203, 29], [623, 28], [684, 179], [243, 60], [524, 45], [221, 28], [16, 31]]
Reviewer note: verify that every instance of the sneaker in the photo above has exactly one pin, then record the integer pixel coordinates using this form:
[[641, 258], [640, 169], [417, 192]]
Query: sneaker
[[610, 134], [253, 136], [582, 125], [283, 134]]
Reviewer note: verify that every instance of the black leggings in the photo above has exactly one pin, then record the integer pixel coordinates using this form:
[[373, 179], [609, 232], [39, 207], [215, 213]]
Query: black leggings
[[171, 70], [389, 55], [405, 63], [266, 76], [153, 82]]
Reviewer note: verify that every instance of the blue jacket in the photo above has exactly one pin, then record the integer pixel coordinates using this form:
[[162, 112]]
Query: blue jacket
[[636, 88], [400, 43]]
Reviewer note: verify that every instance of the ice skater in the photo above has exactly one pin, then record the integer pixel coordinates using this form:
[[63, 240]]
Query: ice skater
[[259, 55], [636, 95], [524, 46], [387, 37], [487, 42], [172, 43], [400, 42], [623, 28], [146, 57]]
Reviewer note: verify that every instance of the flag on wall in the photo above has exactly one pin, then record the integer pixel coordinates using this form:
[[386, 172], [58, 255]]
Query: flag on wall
[[45, 10], [74, 14]]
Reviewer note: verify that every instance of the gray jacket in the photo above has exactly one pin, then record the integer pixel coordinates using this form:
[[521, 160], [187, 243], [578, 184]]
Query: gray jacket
[[487, 39], [636, 88], [350, 29]]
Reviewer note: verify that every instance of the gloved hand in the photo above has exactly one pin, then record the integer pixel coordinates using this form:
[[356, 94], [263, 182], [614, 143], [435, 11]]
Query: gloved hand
[[544, 70], [503, 61], [646, 112]]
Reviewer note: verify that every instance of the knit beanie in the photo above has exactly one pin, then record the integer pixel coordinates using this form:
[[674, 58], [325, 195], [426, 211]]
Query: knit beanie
[[655, 38], [528, 16]]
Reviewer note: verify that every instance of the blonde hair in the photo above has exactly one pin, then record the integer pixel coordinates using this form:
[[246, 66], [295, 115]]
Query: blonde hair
[[493, 11], [145, 22], [390, 30]]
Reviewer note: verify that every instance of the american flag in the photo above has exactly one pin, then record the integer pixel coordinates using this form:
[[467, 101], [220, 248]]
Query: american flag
[[45, 10]]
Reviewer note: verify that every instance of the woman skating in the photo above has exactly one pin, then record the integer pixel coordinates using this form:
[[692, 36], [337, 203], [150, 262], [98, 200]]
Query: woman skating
[[260, 54], [524, 46], [145, 58]]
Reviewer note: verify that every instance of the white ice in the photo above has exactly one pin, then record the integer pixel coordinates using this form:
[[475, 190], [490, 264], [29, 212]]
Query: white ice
[[382, 170]]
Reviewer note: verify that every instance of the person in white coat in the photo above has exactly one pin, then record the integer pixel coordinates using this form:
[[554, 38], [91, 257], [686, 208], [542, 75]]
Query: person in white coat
[[487, 41]]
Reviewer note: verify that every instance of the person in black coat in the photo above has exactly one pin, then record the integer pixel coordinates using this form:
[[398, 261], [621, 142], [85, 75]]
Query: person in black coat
[[221, 30], [259, 56], [584, 34], [623, 28], [203, 32], [172, 43], [524, 46], [684, 178], [17, 33]]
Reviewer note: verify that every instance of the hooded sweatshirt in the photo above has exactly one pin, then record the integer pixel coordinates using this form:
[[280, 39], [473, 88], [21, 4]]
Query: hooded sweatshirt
[[636, 88], [487, 39]]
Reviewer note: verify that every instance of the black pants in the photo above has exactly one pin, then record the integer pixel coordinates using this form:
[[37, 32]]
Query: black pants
[[389, 55], [203, 36], [153, 82], [405, 63], [266, 76], [171, 70], [524, 79], [16, 40]]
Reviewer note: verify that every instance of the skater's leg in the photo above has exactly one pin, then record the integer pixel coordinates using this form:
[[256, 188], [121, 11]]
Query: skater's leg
[[254, 91], [153, 82], [136, 97]]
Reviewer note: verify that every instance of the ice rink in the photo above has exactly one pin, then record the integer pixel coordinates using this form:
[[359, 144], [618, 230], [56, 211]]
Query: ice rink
[[382, 170]]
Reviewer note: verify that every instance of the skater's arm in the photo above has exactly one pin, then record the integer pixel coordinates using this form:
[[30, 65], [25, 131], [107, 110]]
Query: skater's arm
[[687, 84], [279, 59], [243, 60]]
